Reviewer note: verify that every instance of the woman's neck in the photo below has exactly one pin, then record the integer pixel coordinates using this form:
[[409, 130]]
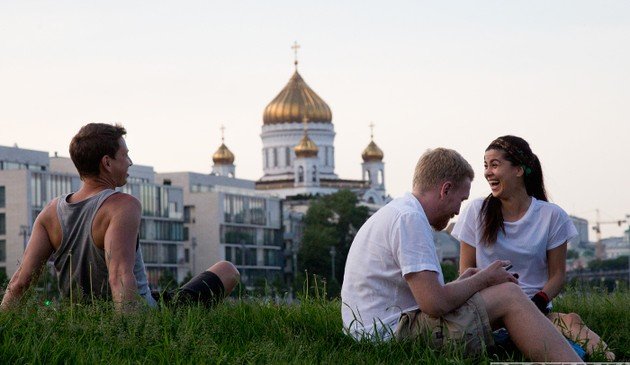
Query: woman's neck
[[514, 208]]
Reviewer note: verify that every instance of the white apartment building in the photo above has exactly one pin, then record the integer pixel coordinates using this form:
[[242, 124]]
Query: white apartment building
[[225, 218]]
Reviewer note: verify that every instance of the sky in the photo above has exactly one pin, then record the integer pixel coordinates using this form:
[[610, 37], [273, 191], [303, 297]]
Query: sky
[[428, 74]]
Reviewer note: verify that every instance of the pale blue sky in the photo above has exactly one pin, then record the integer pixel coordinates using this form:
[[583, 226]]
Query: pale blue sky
[[427, 73]]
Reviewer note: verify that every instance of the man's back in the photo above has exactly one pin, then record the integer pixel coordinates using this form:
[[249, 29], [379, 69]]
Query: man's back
[[394, 241]]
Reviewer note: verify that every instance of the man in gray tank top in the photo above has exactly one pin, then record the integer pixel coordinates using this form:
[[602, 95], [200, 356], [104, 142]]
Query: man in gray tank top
[[92, 234]]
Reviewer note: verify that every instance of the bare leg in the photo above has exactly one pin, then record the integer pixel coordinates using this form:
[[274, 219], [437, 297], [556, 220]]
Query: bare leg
[[533, 334], [227, 272], [572, 327]]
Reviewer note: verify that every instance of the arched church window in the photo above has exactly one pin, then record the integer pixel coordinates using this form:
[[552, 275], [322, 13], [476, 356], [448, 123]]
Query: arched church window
[[287, 156], [367, 175], [314, 173], [275, 157], [380, 177], [266, 157], [300, 174]]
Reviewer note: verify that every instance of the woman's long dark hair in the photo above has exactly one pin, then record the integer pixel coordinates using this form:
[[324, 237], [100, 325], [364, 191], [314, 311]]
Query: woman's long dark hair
[[518, 152]]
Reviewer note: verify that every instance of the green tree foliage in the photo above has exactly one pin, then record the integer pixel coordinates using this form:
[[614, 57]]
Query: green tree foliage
[[331, 221], [619, 263], [572, 254], [450, 271]]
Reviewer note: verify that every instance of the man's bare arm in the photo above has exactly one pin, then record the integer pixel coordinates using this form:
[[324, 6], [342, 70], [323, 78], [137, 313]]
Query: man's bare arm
[[37, 253], [436, 300], [120, 248]]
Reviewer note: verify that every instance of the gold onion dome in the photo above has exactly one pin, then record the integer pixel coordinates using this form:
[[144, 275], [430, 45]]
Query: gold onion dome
[[372, 153], [223, 156], [295, 102], [306, 148]]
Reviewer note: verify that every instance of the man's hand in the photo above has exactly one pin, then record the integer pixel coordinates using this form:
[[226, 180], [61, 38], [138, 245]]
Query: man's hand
[[496, 274], [468, 273]]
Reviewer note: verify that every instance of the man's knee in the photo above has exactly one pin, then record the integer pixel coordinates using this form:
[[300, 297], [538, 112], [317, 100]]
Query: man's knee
[[500, 299], [228, 273], [505, 292]]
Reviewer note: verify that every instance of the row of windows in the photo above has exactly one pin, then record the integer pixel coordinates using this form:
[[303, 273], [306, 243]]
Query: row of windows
[[155, 200], [272, 156], [6, 165], [244, 209], [301, 174], [161, 230], [154, 253], [44, 187], [379, 176], [250, 236], [248, 256]]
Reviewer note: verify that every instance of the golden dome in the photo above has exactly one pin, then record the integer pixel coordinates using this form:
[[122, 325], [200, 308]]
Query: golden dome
[[372, 153], [223, 156], [296, 101], [306, 148]]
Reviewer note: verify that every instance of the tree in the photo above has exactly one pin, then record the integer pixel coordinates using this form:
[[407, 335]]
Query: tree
[[572, 254], [331, 221]]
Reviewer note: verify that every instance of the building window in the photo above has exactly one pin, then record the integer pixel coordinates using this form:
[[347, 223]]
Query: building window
[[188, 213], [266, 157], [314, 173], [3, 250], [272, 258], [37, 195], [186, 255], [287, 156], [238, 235], [2, 197], [326, 156], [300, 174], [169, 254], [3, 224], [149, 253], [275, 157]]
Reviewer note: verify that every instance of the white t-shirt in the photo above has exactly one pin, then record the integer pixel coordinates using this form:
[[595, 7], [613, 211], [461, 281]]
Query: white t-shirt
[[395, 241], [525, 242]]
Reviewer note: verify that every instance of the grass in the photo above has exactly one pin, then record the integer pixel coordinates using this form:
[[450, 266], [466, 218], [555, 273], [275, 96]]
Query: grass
[[252, 331]]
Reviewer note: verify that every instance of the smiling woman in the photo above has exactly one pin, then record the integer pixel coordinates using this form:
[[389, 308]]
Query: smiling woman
[[516, 223]]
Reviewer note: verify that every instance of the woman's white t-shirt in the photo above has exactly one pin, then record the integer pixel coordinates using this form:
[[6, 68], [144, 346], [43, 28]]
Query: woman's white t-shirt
[[525, 242]]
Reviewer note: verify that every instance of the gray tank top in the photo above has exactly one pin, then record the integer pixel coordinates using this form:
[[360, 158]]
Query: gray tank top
[[80, 265]]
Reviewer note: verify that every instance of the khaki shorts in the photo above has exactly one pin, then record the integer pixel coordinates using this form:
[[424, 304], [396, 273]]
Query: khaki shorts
[[467, 325]]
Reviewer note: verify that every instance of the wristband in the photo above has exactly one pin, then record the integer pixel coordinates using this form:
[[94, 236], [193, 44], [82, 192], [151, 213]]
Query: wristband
[[541, 299]]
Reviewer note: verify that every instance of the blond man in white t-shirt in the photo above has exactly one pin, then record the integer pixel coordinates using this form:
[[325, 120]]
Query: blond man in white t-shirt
[[393, 284]]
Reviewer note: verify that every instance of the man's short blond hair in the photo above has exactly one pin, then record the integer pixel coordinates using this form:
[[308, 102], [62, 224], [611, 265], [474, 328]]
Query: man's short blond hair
[[439, 165]]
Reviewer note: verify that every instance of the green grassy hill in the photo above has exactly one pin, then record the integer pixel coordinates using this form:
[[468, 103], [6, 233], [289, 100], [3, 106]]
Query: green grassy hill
[[247, 331]]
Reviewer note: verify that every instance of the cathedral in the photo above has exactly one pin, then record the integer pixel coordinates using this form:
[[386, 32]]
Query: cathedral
[[299, 152]]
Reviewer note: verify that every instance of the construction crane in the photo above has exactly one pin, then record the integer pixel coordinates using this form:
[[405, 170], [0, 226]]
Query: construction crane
[[600, 253]]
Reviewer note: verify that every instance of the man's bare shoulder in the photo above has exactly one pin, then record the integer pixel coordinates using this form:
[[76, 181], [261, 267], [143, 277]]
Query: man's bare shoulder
[[121, 201], [49, 213]]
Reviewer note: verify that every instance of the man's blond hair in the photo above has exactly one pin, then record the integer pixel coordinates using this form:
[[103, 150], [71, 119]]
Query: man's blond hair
[[439, 165]]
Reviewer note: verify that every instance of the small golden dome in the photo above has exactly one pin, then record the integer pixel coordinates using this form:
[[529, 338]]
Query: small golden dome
[[296, 101], [223, 156], [306, 148], [372, 153]]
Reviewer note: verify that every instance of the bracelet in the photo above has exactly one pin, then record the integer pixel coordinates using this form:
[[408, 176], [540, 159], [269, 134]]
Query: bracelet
[[544, 296]]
